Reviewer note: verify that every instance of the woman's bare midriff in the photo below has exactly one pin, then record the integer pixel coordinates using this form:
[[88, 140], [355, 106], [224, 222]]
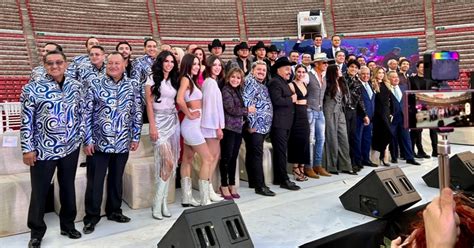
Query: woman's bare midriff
[[195, 104]]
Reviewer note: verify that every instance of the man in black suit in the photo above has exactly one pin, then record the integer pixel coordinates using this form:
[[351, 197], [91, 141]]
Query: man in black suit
[[418, 82], [282, 100], [335, 46]]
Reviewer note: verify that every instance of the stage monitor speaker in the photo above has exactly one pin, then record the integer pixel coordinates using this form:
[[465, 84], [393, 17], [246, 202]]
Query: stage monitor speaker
[[461, 169], [381, 193], [215, 225]]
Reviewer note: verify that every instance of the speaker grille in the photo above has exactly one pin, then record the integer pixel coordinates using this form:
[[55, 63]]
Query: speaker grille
[[235, 229], [205, 235]]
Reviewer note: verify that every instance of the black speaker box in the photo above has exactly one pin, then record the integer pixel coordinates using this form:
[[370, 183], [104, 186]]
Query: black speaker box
[[461, 168], [216, 225], [381, 193]]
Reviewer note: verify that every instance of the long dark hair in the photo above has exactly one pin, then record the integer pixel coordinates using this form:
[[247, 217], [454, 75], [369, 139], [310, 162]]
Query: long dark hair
[[333, 80], [158, 75], [185, 70], [210, 64], [203, 62]]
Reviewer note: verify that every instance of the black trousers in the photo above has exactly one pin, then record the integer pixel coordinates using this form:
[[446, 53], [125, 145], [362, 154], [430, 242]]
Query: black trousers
[[279, 139], [416, 139], [230, 146], [254, 158], [351, 123], [97, 166], [41, 175]]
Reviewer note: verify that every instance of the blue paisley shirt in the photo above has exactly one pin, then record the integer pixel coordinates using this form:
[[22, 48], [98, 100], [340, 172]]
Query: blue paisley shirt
[[51, 118], [86, 72], [141, 68], [38, 72], [255, 93], [75, 63], [113, 114]]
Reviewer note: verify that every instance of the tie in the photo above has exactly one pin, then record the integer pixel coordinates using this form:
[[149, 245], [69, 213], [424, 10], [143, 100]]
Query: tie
[[368, 89], [398, 93]]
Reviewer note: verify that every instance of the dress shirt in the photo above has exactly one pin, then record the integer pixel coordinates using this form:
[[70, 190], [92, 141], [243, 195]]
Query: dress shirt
[[256, 93], [75, 63], [38, 72], [86, 72], [141, 68], [369, 90], [51, 117], [397, 93], [113, 114]]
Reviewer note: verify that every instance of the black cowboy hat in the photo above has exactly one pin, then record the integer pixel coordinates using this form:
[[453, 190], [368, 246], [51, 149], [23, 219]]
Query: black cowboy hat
[[241, 45], [283, 61], [216, 43], [272, 48], [257, 46]]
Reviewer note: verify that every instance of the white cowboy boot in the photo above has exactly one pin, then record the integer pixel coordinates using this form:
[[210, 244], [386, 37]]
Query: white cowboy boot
[[204, 192], [158, 199], [164, 209], [187, 191], [212, 194]]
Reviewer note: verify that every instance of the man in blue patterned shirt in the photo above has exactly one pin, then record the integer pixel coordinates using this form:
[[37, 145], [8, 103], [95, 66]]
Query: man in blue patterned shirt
[[142, 65], [95, 68], [113, 121], [78, 60], [255, 94], [141, 68], [40, 70], [51, 134]]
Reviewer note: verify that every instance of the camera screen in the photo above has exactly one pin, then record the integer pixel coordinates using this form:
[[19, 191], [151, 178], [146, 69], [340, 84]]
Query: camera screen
[[440, 109]]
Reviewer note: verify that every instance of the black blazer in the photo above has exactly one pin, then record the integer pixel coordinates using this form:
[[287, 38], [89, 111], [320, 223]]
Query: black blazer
[[283, 108]]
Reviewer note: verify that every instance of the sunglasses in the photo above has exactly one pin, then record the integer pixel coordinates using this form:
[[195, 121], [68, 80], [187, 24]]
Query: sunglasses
[[52, 63]]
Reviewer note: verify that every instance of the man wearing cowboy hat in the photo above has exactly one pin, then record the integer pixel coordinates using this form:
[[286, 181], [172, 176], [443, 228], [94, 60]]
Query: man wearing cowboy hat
[[316, 89], [216, 47], [283, 110], [259, 51], [241, 60], [272, 54]]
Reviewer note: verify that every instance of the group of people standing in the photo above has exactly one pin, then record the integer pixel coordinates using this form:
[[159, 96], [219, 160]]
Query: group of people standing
[[319, 117]]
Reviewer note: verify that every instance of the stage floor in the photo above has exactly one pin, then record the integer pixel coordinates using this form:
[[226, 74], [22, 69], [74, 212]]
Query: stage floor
[[289, 219]]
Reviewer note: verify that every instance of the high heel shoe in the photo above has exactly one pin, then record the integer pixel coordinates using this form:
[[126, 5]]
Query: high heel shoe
[[384, 163], [300, 177], [233, 192], [226, 197]]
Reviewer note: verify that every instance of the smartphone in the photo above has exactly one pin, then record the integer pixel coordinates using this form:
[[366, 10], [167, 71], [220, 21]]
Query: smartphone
[[436, 109]]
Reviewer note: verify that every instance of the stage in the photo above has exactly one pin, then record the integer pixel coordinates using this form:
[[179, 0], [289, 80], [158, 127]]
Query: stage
[[289, 219]]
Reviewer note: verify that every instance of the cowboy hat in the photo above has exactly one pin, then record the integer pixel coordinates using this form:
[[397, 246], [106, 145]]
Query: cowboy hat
[[257, 46], [321, 57], [241, 45], [216, 43], [283, 61]]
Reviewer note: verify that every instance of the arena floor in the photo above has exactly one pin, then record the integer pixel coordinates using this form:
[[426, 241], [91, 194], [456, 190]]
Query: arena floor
[[289, 219]]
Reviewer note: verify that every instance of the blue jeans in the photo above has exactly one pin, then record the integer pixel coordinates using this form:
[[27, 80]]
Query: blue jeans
[[317, 126]]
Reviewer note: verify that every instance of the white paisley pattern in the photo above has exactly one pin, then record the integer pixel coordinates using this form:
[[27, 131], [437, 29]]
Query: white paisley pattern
[[51, 118], [255, 93], [86, 72], [37, 73], [113, 114], [141, 69], [75, 63]]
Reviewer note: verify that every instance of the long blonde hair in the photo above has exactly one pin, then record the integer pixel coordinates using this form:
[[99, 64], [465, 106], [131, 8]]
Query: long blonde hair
[[374, 80]]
